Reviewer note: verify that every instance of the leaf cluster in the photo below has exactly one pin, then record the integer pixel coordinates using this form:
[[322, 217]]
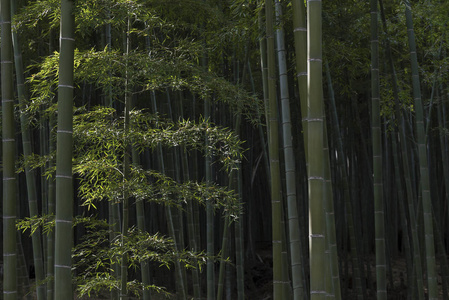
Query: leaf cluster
[[96, 255], [112, 71], [99, 133]]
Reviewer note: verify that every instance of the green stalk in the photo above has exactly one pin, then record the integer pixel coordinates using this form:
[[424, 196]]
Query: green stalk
[[377, 158], [178, 268], [210, 270], [333, 288], [224, 257], [51, 202], [191, 228], [300, 38], [29, 173], [23, 280], [300, 42], [239, 248], [404, 221], [317, 245], [140, 216], [406, 168], [64, 146], [423, 165], [264, 70], [126, 175], [273, 150], [113, 206], [8, 157], [175, 226], [190, 216], [346, 190], [290, 174], [49, 190]]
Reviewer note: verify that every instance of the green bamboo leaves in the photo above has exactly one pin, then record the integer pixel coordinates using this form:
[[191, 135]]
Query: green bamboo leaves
[[64, 150]]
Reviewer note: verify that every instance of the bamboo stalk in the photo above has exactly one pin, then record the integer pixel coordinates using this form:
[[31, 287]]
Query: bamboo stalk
[[290, 174], [64, 146], [423, 165], [377, 158], [29, 173]]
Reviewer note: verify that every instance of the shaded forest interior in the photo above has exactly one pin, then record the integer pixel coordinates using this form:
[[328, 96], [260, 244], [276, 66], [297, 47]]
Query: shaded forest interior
[[237, 149]]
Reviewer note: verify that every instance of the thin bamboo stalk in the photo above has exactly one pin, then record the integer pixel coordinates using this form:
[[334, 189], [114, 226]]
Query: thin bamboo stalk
[[289, 157], [354, 248], [333, 288], [273, 149], [113, 206], [180, 286], [377, 158], [404, 163], [423, 165], [29, 173], [191, 230], [126, 173], [51, 210]]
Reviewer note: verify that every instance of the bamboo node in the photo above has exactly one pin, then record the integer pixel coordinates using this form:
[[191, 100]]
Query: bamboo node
[[64, 131], [63, 176], [67, 38], [65, 85], [300, 29], [316, 235], [63, 266], [315, 119]]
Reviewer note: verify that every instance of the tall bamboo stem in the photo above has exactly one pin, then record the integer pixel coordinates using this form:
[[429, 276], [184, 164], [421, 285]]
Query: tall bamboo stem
[[423, 164], [8, 157], [64, 146], [377, 158]]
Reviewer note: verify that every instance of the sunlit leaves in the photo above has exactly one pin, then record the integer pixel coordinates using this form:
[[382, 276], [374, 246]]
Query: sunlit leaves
[[106, 70], [100, 138], [95, 256]]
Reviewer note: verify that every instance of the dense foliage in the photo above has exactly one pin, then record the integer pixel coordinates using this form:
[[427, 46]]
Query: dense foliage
[[175, 137]]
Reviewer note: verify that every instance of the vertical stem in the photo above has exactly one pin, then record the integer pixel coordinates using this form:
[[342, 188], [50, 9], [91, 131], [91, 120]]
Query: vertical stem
[[51, 210], [29, 173], [300, 38], [191, 230], [209, 209], [377, 158], [126, 173], [423, 164], [290, 174], [273, 150], [64, 146], [333, 278], [8, 157], [315, 155]]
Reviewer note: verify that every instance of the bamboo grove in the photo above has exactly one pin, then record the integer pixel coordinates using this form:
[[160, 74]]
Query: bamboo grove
[[237, 149]]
